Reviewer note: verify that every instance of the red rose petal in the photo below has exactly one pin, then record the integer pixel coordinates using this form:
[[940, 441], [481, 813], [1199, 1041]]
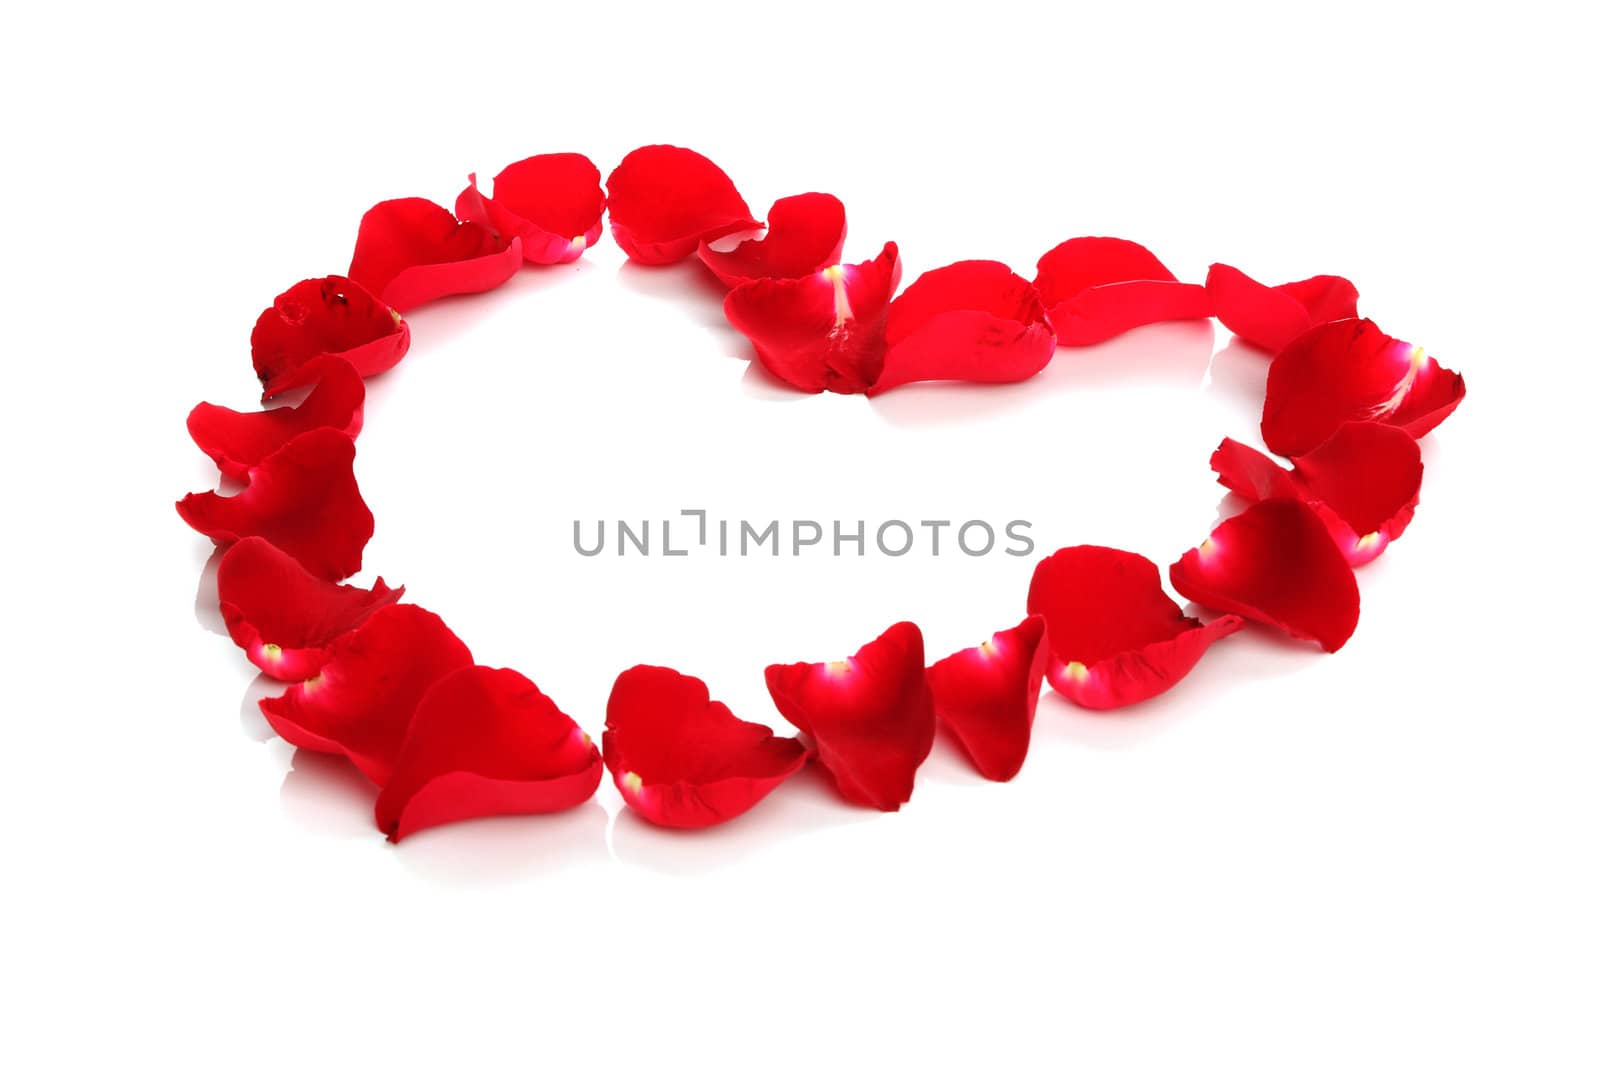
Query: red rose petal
[[1277, 565], [1351, 371], [1115, 636], [1095, 288], [330, 316], [302, 498], [973, 321], [683, 760], [1362, 482], [804, 234], [664, 201], [1271, 317], [238, 440], [871, 715], [987, 695], [282, 615], [412, 251], [551, 203], [362, 702], [824, 331], [486, 742]]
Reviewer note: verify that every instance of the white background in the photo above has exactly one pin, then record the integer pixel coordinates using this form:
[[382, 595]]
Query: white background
[[1384, 856]]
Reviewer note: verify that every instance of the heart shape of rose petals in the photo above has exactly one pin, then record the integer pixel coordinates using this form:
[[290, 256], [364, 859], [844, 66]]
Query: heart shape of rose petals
[[391, 688]]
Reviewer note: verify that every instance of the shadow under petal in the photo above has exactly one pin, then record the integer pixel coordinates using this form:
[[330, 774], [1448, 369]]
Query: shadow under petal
[[761, 384], [1238, 373], [254, 724], [506, 848], [207, 611], [920, 404], [1166, 353], [806, 803], [687, 285], [326, 793]]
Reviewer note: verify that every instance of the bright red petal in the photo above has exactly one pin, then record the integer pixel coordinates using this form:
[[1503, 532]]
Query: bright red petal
[[683, 760], [1095, 288], [1363, 482], [973, 321], [1271, 317], [330, 316], [302, 498], [1115, 636], [1351, 371], [486, 742], [282, 615], [551, 203], [871, 715], [824, 331], [1277, 565], [664, 201], [412, 251], [362, 703], [237, 440], [804, 234], [987, 695]]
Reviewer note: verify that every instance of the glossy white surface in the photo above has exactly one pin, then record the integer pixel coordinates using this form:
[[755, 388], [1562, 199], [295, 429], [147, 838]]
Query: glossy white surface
[[1383, 856]]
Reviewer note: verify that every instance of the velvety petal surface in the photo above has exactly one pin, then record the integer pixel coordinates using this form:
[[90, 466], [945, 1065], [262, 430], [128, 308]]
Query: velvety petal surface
[[551, 203], [238, 440], [805, 233], [683, 760], [1351, 371], [1363, 482], [973, 321], [318, 317], [362, 702], [824, 331], [282, 615], [871, 715], [486, 742], [1275, 564], [1269, 317], [665, 200], [411, 251], [1115, 636], [1095, 288], [302, 498], [986, 696]]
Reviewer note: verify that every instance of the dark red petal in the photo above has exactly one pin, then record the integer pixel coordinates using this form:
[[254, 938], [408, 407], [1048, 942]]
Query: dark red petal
[[871, 715], [1363, 482], [302, 498], [282, 615], [1115, 636], [683, 760], [1095, 288], [412, 251], [1271, 317], [486, 742], [824, 331], [362, 703], [987, 695], [330, 316], [1351, 371], [664, 201], [552, 203], [973, 321], [804, 234], [237, 440], [1277, 565]]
